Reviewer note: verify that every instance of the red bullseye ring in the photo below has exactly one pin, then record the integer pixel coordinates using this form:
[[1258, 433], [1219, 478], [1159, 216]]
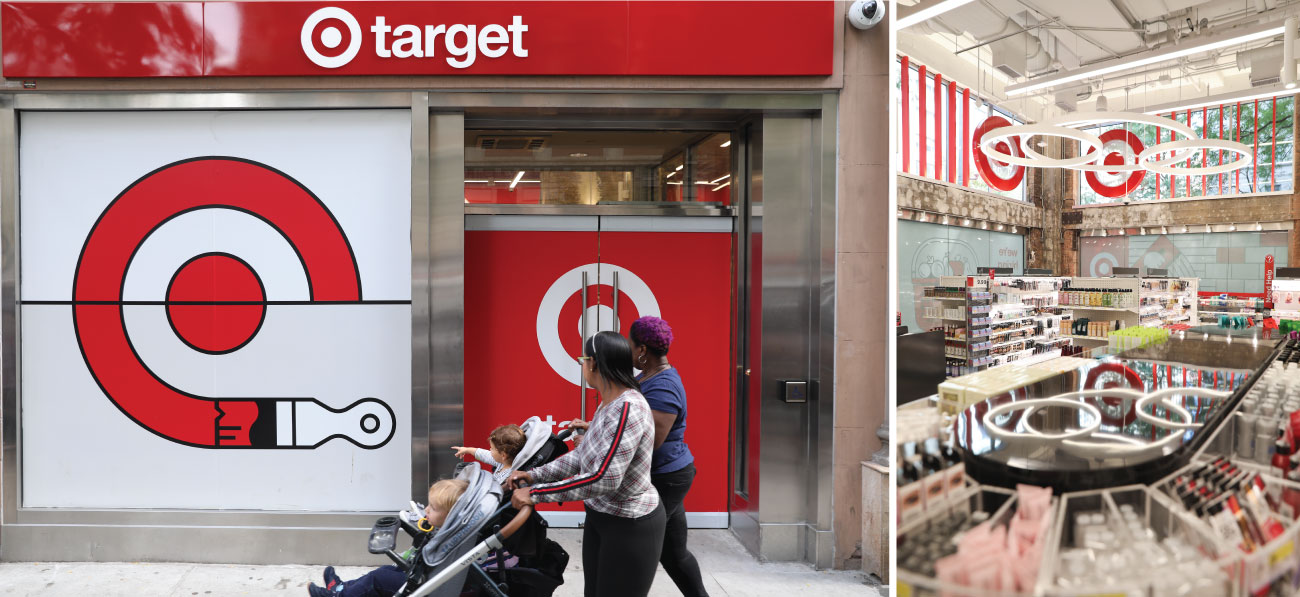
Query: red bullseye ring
[[1114, 158], [215, 303], [988, 168]]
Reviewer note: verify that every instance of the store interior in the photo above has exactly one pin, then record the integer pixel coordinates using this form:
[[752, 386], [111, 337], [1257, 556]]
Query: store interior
[[1098, 324]]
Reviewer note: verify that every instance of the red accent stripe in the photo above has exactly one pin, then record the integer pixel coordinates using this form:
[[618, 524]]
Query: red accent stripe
[[952, 131], [1220, 152], [920, 118], [1254, 153], [965, 136], [1205, 153], [1236, 136], [938, 126], [579, 482], [906, 109]]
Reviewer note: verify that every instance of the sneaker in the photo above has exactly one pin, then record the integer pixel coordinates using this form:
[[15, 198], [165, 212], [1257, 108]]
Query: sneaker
[[332, 579], [316, 591]]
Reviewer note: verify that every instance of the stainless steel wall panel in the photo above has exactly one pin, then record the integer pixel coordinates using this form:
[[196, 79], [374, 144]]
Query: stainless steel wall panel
[[533, 223], [824, 173], [421, 247], [9, 428], [789, 298], [447, 284], [664, 224]]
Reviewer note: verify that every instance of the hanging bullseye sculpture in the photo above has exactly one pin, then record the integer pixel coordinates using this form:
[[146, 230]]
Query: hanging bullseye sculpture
[[1113, 163]]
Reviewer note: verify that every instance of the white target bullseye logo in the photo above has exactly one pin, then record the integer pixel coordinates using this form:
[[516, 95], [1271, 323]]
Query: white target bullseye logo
[[331, 37], [599, 317], [1102, 264]]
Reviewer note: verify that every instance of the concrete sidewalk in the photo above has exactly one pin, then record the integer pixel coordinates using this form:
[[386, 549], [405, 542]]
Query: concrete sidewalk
[[728, 571]]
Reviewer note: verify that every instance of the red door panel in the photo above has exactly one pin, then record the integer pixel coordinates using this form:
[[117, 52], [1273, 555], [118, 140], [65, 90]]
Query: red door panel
[[689, 276], [511, 277]]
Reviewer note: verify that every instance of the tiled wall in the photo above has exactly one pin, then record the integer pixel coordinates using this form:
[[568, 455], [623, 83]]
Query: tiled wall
[[1225, 261], [928, 251]]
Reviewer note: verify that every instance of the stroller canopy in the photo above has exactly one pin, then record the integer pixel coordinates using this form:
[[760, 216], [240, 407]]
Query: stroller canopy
[[536, 432], [457, 535]]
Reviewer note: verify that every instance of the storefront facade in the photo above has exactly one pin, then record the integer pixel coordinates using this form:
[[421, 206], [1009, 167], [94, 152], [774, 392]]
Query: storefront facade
[[259, 357]]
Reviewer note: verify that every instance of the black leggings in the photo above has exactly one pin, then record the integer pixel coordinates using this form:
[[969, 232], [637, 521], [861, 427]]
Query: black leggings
[[618, 554], [678, 561]]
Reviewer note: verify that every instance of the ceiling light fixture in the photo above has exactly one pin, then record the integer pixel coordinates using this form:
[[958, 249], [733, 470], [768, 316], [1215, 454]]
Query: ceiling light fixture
[[1103, 232], [702, 182], [679, 168], [722, 186], [1243, 35], [1232, 227], [720, 179], [671, 174], [945, 220], [927, 12], [966, 222], [477, 181], [577, 154], [1259, 226], [518, 177], [1184, 229], [727, 144], [1164, 230]]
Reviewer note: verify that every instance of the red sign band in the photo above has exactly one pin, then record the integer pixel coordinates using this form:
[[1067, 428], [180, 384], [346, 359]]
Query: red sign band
[[229, 39]]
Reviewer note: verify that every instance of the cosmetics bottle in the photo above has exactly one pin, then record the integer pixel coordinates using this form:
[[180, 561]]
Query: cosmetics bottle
[[911, 495]]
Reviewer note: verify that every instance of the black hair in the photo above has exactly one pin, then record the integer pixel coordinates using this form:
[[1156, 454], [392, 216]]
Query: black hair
[[612, 355]]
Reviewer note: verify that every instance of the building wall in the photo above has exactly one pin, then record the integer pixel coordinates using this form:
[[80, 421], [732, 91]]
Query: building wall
[[863, 322]]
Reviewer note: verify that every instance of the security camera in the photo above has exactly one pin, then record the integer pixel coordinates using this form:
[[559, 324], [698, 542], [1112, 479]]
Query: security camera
[[865, 14]]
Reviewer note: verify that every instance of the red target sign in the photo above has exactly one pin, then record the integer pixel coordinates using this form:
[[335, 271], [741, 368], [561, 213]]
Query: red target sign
[[999, 175], [1120, 146], [216, 304]]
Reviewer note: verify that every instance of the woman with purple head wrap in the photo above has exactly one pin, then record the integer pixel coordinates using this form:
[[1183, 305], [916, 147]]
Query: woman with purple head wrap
[[672, 467]]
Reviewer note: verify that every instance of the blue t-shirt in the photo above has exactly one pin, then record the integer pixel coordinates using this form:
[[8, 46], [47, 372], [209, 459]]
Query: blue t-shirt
[[666, 394]]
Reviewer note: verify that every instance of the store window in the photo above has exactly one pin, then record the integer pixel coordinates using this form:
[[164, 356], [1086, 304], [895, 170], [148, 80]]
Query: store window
[[1265, 125], [588, 167], [936, 127], [927, 251], [1224, 261]]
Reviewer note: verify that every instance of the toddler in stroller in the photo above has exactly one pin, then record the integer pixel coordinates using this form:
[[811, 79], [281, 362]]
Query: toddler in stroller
[[445, 562]]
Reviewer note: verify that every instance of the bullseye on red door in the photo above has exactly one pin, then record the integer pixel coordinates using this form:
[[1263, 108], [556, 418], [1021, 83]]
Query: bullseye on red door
[[524, 318]]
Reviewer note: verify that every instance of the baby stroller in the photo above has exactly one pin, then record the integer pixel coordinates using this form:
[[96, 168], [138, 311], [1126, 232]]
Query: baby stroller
[[445, 563]]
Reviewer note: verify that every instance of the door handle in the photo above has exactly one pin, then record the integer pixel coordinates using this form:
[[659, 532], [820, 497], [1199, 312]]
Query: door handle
[[582, 325]]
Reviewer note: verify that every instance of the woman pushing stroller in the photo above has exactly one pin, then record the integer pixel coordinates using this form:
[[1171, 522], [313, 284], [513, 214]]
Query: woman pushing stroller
[[610, 472]]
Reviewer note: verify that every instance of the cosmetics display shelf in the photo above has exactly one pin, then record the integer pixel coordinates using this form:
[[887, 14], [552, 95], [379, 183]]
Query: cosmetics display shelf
[[1097, 542], [1286, 298], [1006, 320], [1214, 507], [1209, 308], [1109, 304]]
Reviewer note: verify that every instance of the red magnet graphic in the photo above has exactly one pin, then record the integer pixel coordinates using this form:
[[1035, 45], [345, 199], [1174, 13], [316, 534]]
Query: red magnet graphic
[[216, 304]]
